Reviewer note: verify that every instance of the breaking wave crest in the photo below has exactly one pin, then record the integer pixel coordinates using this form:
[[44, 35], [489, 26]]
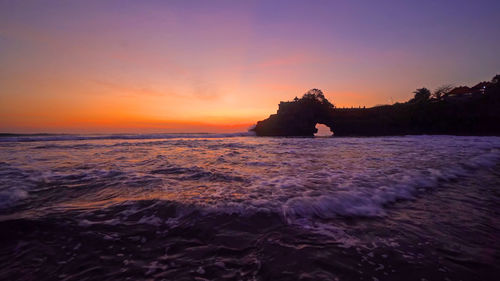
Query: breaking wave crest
[[294, 178]]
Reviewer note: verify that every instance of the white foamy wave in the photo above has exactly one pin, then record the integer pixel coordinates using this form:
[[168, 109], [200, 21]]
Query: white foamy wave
[[327, 194], [295, 178], [15, 185], [295, 198], [370, 201]]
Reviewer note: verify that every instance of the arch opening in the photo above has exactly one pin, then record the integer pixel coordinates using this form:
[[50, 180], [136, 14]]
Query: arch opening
[[323, 131]]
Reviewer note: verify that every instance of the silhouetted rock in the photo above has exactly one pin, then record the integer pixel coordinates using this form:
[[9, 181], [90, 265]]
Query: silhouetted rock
[[298, 117], [458, 111]]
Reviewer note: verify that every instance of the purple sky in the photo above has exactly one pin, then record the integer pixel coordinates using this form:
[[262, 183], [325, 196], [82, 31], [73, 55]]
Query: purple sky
[[222, 65]]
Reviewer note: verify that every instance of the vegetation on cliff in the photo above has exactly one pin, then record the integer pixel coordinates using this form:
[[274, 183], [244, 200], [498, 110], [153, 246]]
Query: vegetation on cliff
[[459, 111]]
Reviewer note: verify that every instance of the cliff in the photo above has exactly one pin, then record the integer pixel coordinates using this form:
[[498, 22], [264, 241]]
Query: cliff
[[458, 112]]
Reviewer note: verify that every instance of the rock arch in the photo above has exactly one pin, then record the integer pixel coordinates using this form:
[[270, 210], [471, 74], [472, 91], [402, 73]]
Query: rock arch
[[298, 117]]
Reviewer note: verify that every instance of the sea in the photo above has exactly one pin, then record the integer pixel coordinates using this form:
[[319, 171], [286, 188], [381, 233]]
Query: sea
[[241, 207]]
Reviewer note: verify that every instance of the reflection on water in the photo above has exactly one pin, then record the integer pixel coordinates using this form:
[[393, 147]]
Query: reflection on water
[[250, 208]]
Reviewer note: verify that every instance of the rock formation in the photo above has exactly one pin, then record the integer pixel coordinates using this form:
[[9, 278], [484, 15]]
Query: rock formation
[[474, 113], [298, 117]]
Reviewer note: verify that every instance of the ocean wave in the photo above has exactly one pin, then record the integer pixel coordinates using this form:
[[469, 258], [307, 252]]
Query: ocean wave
[[196, 173], [295, 198], [74, 137], [295, 178], [306, 201], [300, 207], [371, 201], [290, 198], [15, 184]]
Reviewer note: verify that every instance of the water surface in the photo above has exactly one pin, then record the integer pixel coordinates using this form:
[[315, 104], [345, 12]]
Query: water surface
[[229, 207]]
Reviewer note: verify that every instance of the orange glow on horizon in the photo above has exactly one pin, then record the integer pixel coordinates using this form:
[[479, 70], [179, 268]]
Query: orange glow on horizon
[[185, 66], [128, 111]]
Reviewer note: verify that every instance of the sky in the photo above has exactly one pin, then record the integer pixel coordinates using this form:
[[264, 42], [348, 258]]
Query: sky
[[220, 66]]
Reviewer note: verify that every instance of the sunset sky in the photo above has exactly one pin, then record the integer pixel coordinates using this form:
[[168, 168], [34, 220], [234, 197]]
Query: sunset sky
[[220, 66]]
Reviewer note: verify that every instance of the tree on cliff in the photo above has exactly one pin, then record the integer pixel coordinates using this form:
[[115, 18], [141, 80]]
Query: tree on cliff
[[494, 88], [496, 79], [441, 92], [421, 95], [298, 117], [316, 95]]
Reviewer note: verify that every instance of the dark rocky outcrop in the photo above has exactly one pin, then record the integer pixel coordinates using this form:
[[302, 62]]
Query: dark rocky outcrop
[[457, 112], [298, 117]]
